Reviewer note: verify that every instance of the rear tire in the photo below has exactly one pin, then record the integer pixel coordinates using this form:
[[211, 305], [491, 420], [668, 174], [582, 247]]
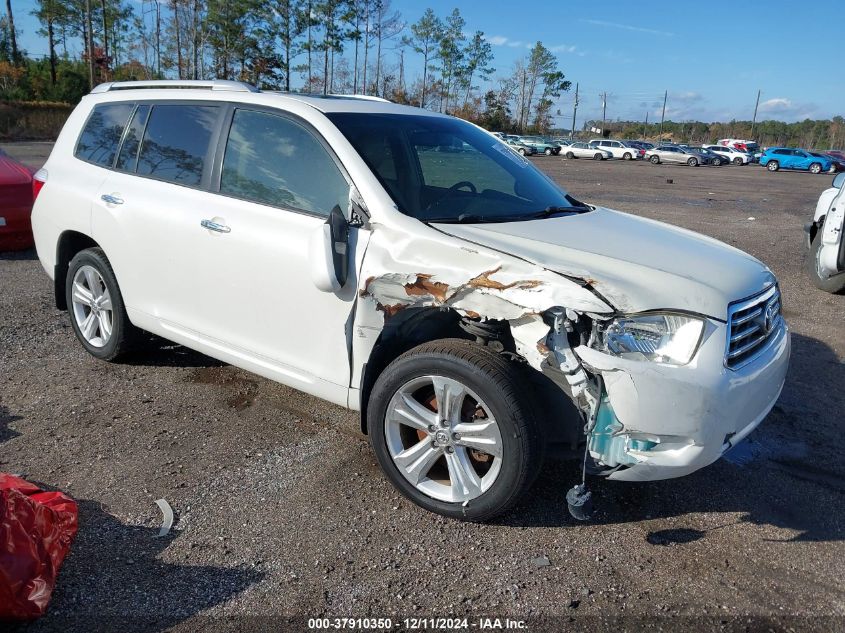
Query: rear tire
[[463, 370], [655, 160], [773, 165], [833, 285], [598, 156], [104, 330]]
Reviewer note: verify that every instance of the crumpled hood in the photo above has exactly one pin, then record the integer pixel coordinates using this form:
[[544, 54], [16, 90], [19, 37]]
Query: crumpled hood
[[635, 263]]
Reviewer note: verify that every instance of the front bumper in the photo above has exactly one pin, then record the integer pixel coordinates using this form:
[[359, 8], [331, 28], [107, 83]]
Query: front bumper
[[672, 421]]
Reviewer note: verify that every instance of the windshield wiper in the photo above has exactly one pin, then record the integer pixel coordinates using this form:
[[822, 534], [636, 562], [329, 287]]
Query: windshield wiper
[[553, 210]]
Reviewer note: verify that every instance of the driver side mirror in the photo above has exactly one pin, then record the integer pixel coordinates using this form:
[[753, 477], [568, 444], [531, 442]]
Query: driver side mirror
[[838, 180], [328, 253]]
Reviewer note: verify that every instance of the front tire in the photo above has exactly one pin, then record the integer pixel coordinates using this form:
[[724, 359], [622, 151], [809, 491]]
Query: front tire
[[655, 160], [692, 162], [773, 165], [97, 312], [815, 168], [737, 161], [452, 429], [570, 155], [627, 156], [833, 285], [521, 151], [548, 152]]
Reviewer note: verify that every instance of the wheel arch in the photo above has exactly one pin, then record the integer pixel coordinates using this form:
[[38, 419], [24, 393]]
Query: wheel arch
[[68, 245], [402, 332]]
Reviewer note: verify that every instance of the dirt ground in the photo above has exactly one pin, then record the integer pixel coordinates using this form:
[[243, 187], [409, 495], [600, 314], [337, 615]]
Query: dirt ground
[[282, 511]]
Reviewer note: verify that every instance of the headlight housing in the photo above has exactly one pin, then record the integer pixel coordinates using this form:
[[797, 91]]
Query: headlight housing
[[671, 339]]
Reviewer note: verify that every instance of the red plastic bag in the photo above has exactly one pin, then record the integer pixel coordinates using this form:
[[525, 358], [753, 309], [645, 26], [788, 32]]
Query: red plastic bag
[[36, 531]]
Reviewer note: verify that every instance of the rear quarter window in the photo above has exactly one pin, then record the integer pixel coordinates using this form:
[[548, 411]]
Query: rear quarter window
[[101, 135]]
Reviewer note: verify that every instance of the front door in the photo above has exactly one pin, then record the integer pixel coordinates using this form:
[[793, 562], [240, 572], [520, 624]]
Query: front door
[[832, 251]]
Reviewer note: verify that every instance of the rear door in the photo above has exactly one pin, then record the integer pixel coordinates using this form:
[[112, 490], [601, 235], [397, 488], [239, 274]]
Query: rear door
[[143, 212]]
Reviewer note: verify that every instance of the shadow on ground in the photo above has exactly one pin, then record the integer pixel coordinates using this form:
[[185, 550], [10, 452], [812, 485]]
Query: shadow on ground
[[5, 419], [785, 474], [112, 565]]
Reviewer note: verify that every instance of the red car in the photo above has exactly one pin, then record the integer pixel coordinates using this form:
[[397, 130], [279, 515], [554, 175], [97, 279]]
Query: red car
[[15, 205]]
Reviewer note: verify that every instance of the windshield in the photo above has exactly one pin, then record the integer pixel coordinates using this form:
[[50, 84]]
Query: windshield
[[439, 169]]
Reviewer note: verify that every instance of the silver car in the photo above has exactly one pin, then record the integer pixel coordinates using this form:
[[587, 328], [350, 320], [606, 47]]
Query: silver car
[[585, 150], [673, 154]]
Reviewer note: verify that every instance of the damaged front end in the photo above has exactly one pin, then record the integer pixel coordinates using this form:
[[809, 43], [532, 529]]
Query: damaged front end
[[655, 397]]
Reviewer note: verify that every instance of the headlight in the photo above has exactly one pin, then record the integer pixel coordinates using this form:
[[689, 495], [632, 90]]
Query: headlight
[[663, 338]]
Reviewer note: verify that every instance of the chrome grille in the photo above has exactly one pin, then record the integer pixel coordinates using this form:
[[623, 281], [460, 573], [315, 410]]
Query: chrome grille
[[750, 324]]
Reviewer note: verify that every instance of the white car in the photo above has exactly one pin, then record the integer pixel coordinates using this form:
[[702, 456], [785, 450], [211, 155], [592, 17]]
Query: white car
[[473, 311], [736, 156], [583, 150], [619, 149], [825, 259]]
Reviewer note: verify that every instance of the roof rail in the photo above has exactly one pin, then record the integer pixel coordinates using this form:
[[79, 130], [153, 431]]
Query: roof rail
[[362, 97], [212, 84]]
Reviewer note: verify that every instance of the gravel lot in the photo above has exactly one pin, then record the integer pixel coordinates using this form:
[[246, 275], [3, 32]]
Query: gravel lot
[[282, 510]]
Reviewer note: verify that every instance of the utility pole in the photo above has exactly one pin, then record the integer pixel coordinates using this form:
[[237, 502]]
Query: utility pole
[[754, 120], [645, 127], [574, 112], [603, 110], [663, 115]]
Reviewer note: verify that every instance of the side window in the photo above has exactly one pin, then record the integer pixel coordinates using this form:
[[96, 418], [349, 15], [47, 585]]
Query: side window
[[127, 160], [176, 142], [99, 139], [272, 160]]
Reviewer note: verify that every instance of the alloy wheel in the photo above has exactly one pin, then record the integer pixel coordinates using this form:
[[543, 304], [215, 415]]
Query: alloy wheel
[[443, 439], [92, 306]]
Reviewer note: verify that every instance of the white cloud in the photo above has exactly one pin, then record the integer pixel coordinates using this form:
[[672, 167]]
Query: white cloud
[[628, 27], [784, 108], [497, 40], [563, 48]]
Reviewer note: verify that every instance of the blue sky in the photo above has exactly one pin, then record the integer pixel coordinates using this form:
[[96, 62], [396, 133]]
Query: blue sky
[[711, 56]]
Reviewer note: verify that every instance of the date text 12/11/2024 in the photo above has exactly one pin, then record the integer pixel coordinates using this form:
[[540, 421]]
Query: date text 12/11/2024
[[415, 624]]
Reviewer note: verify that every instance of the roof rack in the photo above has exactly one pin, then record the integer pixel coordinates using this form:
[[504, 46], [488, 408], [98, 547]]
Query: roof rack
[[213, 84], [362, 97]]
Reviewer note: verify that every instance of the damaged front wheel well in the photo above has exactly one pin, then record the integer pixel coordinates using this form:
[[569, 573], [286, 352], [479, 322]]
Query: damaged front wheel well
[[411, 327]]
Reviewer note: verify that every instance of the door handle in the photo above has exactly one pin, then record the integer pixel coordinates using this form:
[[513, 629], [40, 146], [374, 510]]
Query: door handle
[[214, 226], [111, 199]]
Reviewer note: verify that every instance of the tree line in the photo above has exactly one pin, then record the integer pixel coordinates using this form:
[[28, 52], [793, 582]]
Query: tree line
[[315, 46]]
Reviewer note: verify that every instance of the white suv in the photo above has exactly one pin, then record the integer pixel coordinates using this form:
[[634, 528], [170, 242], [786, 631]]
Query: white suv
[[736, 156], [405, 264], [619, 149]]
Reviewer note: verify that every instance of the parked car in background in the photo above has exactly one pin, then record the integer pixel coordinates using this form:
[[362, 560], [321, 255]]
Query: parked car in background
[[673, 154], [735, 156], [15, 204], [585, 150], [838, 161], [825, 258], [541, 145], [563, 142], [776, 158], [519, 147], [643, 145], [743, 145], [619, 149], [708, 157], [471, 309]]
